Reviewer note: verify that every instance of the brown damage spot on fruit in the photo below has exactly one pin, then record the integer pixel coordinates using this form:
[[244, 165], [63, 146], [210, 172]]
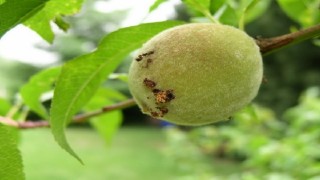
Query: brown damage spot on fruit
[[149, 61], [148, 53], [156, 91], [149, 83], [141, 56], [163, 110], [163, 96], [154, 114]]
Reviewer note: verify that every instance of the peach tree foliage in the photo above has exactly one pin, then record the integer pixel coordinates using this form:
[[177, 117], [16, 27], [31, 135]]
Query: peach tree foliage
[[78, 81]]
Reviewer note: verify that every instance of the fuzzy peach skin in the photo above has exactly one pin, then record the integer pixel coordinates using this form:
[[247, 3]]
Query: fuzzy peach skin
[[196, 74]]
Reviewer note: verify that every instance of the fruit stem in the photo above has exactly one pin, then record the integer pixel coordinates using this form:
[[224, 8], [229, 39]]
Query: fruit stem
[[270, 45]]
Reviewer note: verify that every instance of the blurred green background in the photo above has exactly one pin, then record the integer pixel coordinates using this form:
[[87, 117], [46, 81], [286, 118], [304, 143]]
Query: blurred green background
[[277, 137]]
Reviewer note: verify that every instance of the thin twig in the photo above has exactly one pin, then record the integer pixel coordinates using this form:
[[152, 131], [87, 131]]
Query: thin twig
[[121, 105], [8, 121], [77, 119], [269, 45], [32, 124]]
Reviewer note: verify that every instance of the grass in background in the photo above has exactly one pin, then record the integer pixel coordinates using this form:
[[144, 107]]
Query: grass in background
[[136, 153]]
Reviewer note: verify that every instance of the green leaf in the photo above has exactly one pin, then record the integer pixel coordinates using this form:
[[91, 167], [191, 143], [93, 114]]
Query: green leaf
[[81, 77], [4, 107], [14, 12], [229, 16], [54, 9], [111, 94], [235, 8], [121, 76], [11, 162], [2, 1], [61, 23], [245, 11], [216, 4], [202, 6], [257, 10], [106, 124], [156, 4], [102, 96], [305, 12], [38, 84]]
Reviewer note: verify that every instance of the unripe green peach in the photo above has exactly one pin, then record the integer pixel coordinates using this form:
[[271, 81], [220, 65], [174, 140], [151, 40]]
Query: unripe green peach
[[196, 74]]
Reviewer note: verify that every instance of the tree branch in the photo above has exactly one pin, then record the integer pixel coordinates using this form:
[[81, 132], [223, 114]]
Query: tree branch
[[76, 120], [269, 45], [121, 105]]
